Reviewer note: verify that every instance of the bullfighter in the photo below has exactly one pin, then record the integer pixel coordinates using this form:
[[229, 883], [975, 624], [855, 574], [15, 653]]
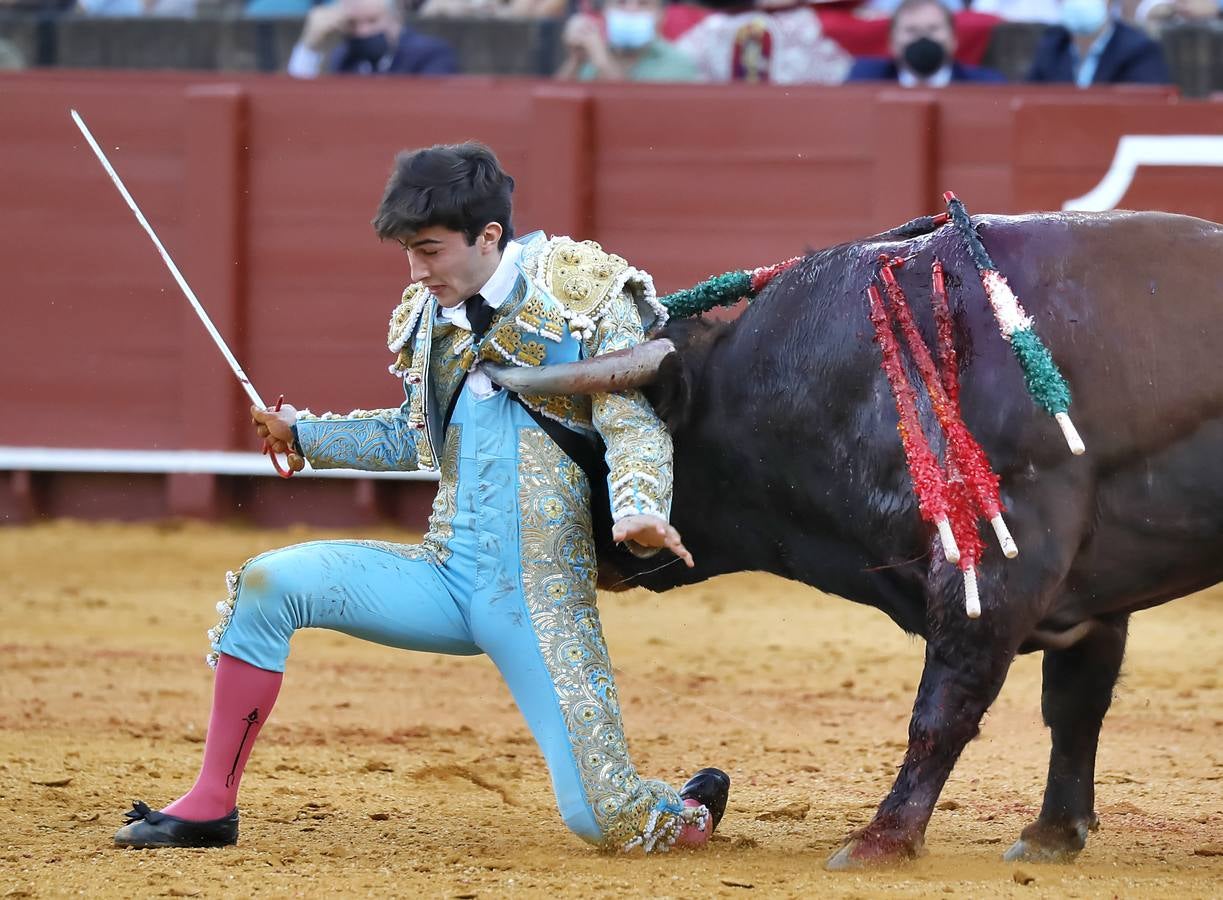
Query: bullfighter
[[508, 565]]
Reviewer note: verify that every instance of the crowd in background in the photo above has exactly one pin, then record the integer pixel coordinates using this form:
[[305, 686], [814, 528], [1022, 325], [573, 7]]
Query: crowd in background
[[927, 43]]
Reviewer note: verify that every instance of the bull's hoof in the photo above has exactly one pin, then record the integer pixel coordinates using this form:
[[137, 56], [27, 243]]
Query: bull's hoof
[[865, 850], [1044, 842]]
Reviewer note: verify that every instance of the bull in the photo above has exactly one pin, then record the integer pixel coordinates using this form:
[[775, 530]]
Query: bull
[[787, 461]]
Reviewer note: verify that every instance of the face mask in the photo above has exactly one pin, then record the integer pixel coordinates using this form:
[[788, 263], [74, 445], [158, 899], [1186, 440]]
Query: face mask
[[629, 30], [1084, 16], [370, 48], [924, 56]]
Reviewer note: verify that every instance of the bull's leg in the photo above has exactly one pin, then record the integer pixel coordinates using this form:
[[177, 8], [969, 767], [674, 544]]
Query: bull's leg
[[963, 673], [1078, 688]]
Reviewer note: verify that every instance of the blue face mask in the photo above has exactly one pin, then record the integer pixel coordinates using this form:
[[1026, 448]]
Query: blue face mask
[[629, 29], [1084, 16]]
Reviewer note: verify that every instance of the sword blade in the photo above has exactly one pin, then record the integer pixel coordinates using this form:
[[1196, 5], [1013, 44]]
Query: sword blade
[[178, 276]]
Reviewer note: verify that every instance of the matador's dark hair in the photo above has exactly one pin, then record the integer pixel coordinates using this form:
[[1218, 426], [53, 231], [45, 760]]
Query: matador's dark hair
[[457, 186]]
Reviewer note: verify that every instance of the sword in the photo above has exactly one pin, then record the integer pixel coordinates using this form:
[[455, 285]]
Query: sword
[[186, 288]]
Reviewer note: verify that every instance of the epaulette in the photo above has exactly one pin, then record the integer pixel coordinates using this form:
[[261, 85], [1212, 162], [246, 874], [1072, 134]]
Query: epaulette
[[586, 279]]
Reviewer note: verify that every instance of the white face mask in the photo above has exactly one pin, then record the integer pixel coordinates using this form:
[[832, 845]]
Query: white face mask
[[629, 29], [1084, 16]]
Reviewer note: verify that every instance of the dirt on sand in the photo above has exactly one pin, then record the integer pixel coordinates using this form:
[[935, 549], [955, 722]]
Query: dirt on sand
[[385, 773]]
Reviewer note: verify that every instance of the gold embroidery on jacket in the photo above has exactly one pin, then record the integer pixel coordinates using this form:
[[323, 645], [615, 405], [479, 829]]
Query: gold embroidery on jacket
[[558, 580], [404, 320], [506, 344], [581, 275], [441, 520]]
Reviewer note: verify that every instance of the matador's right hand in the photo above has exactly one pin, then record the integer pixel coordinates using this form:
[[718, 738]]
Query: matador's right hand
[[275, 427]]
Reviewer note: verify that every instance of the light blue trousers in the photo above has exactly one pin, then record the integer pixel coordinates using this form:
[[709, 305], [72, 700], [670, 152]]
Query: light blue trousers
[[507, 570], [376, 594]]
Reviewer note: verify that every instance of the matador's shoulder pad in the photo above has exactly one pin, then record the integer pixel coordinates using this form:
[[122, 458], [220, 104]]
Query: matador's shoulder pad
[[586, 279]]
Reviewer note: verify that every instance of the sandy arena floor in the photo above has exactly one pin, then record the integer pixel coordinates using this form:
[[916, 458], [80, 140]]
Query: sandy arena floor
[[385, 773]]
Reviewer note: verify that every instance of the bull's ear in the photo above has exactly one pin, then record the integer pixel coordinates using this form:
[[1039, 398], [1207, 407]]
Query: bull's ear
[[671, 391]]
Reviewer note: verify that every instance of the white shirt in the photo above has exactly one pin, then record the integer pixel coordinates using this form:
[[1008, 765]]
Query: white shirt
[[495, 292], [304, 62], [941, 78]]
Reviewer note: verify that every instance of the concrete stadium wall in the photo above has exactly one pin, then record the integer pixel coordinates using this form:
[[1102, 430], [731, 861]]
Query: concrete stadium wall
[[262, 189]]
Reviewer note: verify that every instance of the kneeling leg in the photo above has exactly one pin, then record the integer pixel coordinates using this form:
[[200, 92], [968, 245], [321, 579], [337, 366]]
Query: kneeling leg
[[554, 659]]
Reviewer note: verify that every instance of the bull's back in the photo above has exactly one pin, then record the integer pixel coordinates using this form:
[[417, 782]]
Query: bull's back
[[1129, 304]]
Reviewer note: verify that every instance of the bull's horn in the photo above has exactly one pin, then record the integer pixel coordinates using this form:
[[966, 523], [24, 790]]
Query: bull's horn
[[619, 371]]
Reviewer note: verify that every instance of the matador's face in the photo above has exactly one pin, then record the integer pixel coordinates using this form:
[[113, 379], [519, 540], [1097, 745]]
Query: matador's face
[[447, 265]]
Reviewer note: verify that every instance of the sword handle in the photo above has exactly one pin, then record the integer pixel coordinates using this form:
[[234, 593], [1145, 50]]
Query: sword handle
[[287, 470]]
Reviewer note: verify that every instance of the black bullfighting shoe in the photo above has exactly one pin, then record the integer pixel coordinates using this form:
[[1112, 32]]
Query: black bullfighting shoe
[[710, 787], [150, 828]]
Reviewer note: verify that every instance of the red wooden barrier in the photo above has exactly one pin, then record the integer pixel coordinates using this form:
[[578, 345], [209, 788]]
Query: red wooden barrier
[[1086, 138], [262, 188]]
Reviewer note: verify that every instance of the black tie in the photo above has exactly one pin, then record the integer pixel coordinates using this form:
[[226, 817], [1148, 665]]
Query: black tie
[[479, 314]]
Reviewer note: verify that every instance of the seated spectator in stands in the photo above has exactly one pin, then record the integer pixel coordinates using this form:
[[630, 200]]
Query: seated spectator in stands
[[499, 9], [1047, 12], [1157, 13], [772, 41], [1093, 47], [923, 51], [373, 41], [118, 9], [622, 45]]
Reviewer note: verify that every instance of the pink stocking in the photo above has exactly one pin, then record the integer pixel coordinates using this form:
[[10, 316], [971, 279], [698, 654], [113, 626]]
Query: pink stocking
[[242, 698], [691, 836]]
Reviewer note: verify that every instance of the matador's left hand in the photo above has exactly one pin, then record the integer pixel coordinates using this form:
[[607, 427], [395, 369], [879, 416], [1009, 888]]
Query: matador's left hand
[[651, 531]]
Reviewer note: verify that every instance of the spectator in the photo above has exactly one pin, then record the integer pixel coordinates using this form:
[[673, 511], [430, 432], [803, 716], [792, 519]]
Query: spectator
[[923, 48], [176, 9], [374, 41], [785, 45], [1093, 47], [1158, 13], [1047, 12], [623, 45]]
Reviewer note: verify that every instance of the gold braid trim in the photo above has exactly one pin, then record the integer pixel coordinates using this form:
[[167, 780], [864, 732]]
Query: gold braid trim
[[403, 322]]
